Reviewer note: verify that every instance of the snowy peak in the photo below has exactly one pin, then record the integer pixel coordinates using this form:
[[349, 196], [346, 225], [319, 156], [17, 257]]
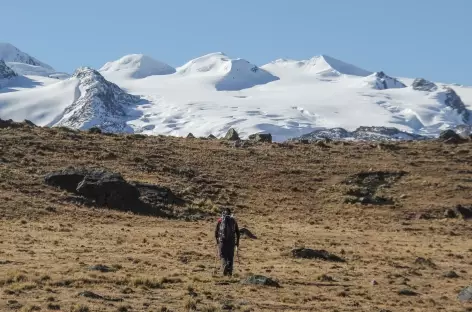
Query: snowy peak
[[381, 81], [454, 101], [323, 65], [229, 74], [138, 66], [10, 53], [5, 71], [100, 104]]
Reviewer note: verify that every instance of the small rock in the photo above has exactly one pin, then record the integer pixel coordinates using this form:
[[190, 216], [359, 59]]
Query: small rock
[[374, 282], [425, 262], [307, 253], [407, 292], [451, 274], [101, 268], [261, 280], [449, 213], [95, 130], [465, 212], [247, 233], [326, 278], [232, 135]]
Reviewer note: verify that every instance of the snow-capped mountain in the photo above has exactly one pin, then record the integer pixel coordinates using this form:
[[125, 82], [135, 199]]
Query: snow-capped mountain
[[24, 64], [227, 74], [214, 92], [137, 66], [100, 104]]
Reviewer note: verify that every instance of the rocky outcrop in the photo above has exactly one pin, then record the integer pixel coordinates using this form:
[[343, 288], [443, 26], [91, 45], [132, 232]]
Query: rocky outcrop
[[111, 190], [6, 72], [455, 102], [232, 135], [360, 134], [261, 137], [381, 81], [450, 136], [102, 104], [421, 84]]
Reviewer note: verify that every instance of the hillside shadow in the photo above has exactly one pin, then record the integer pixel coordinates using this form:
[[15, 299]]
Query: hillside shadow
[[20, 82]]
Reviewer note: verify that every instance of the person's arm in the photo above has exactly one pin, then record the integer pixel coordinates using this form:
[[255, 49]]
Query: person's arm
[[236, 229], [217, 230]]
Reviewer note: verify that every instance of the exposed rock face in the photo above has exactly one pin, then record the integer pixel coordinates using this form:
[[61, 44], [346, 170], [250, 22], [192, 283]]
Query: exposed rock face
[[381, 81], [108, 189], [232, 135], [421, 84], [5, 71], [360, 134], [455, 102], [102, 104]]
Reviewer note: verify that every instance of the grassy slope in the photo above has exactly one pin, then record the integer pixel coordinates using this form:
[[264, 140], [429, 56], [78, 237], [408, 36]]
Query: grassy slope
[[288, 195]]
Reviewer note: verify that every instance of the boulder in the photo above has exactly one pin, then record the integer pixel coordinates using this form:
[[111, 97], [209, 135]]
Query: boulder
[[190, 136], [465, 212], [260, 280], [451, 274], [450, 137], [212, 137], [466, 294], [261, 137], [111, 190], [232, 135], [307, 253]]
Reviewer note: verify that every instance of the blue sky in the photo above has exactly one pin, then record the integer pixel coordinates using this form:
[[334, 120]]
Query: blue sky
[[408, 38]]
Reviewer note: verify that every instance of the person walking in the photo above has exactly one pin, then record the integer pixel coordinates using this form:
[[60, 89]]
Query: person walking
[[227, 239]]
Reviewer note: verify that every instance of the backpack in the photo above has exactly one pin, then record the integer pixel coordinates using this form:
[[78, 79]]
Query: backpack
[[226, 230]]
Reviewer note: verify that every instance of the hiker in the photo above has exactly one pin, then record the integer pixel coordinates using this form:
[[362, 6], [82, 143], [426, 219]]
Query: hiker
[[227, 238]]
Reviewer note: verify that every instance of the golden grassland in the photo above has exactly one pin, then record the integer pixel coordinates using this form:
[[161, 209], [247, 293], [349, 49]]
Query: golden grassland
[[289, 195]]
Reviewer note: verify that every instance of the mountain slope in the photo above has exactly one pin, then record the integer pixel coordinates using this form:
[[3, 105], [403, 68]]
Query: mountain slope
[[10, 53], [137, 66]]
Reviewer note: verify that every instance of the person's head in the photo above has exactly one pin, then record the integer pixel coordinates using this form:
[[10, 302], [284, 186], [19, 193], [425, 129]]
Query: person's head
[[226, 211]]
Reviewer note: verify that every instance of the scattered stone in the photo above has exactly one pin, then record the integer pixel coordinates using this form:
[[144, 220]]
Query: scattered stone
[[374, 282], [102, 268], [449, 213], [190, 136], [407, 292], [326, 278], [232, 135], [261, 137], [451, 274], [425, 262], [450, 137], [247, 233], [465, 294], [95, 130], [307, 253], [92, 295], [261, 280]]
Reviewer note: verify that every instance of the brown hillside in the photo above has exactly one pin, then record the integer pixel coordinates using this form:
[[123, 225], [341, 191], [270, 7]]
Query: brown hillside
[[379, 206]]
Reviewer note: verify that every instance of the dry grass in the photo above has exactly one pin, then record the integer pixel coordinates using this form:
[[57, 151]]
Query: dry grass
[[289, 195]]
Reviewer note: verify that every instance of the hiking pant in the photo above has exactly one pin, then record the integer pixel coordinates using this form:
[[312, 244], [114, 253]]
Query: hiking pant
[[227, 256]]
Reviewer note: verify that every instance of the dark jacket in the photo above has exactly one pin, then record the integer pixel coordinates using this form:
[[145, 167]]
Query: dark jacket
[[235, 229]]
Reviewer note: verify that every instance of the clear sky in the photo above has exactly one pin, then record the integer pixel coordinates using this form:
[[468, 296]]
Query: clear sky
[[406, 38]]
